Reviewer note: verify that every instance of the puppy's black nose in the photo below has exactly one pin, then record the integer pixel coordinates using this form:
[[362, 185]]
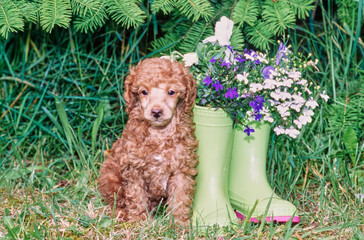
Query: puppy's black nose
[[157, 113]]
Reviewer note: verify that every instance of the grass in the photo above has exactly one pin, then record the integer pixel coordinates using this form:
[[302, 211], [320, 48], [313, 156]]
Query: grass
[[62, 107]]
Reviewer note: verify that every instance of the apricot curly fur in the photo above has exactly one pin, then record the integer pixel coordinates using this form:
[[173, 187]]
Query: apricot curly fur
[[152, 163]]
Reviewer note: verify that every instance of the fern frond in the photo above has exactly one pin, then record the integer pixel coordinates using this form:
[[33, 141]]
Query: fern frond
[[301, 8], [91, 20], [27, 10], [82, 7], [55, 12], [195, 34], [195, 9], [348, 11], [278, 16], [246, 11], [259, 35], [11, 19], [167, 43], [166, 6], [125, 12], [237, 39]]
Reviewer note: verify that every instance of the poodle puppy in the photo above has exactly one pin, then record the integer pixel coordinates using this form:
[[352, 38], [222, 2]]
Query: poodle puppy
[[155, 160]]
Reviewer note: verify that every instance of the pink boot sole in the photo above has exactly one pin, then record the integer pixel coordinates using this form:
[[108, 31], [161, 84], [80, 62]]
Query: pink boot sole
[[278, 219]]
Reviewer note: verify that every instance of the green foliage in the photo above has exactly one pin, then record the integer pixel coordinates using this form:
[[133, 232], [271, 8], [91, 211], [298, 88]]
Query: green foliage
[[348, 11], [246, 11], [260, 20], [195, 9], [10, 18], [126, 13], [55, 12]]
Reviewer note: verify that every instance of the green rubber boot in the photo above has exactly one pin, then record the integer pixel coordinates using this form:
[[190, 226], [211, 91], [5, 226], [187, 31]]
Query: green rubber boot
[[248, 181], [211, 202]]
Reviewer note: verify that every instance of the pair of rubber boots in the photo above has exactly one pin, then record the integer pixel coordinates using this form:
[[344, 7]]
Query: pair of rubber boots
[[232, 174]]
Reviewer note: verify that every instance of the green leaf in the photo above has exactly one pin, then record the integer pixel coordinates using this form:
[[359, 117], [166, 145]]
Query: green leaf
[[259, 35], [350, 140], [93, 19], [195, 9], [194, 35], [66, 126], [82, 7], [166, 6], [278, 16], [301, 8], [97, 123], [126, 13], [246, 11], [55, 12], [237, 39], [11, 19]]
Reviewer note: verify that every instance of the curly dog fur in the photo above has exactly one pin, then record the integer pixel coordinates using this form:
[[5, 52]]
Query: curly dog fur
[[154, 161]]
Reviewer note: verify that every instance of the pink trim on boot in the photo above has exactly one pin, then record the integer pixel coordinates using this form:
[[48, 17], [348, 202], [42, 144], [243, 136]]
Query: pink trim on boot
[[278, 219]]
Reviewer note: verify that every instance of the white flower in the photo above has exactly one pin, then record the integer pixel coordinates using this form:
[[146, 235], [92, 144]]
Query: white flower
[[250, 116], [296, 107], [307, 90], [307, 112], [254, 87], [249, 57], [275, 95], [223, 31], [211, 39], [279, 130], [292, 132], [285, 95], [324, 96], [298, 99], [283, 110], [295, 75], [311, 103], [302, 82], [269, 84], [298, 123], [304, 119], [287, 82], [262, 58], [166, 57], [190, 59], [243, 77], [268, 118]]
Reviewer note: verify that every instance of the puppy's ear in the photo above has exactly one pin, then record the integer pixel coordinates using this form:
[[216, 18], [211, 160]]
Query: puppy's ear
[[130, 94], [191, 91]]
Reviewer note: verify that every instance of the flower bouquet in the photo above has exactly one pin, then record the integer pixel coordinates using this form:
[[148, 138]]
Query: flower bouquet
[[249, 86], [257, 92]]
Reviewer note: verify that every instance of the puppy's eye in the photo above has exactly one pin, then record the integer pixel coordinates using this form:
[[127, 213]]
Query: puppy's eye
[[171, 92], [144, 92]]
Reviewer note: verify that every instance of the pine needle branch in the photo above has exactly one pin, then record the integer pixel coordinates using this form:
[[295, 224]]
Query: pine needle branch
[[195, 9], [246, 11], [55, 12], [126, 13], [278, 16], [11, 19], [166, 6]]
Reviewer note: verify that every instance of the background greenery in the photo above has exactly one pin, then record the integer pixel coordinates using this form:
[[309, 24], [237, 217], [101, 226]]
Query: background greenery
[[61, 107]]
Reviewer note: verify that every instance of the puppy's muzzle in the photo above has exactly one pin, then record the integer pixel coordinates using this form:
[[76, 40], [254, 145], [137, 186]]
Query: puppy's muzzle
[[157, 113]]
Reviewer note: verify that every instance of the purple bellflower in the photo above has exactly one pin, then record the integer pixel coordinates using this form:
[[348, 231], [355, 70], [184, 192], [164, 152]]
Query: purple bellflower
[[231, 93], [217, 85], [281, 53], [249, 130], [207, 80], [266, 71]]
